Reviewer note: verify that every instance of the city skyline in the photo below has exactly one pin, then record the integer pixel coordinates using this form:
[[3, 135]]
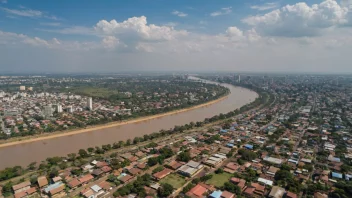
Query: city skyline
[[253, 36]]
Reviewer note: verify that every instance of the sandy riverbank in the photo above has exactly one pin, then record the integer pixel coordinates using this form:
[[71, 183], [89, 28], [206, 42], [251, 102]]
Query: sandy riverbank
[[47, 136]]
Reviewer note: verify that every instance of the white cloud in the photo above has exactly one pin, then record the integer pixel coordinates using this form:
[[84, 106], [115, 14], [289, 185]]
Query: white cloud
[[223, 11], [4, 1], [50, 24], [266, 6], [234, 31], [178, 13], [110, 42], [300, 19], [24, 13], [138, 27]]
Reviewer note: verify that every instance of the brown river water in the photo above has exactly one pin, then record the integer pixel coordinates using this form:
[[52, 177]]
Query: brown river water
[[24, 153]]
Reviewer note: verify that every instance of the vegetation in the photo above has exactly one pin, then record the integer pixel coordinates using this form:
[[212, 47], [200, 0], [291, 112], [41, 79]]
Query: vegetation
[[219, 180]]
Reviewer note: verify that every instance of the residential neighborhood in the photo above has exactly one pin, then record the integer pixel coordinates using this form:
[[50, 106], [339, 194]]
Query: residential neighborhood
[[287, 143]]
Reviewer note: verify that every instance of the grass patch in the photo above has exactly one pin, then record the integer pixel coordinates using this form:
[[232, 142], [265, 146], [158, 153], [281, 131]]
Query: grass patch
[[218, 180], [93, 91], [175, 180]]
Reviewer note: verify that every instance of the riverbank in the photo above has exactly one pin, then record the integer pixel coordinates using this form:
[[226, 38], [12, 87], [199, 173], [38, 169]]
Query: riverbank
[[47, 136]]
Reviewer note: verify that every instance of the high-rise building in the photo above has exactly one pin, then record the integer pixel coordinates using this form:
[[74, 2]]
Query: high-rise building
[[90, 103], [48, 111], [70, 109], [59, 108], [239, 78], [22, 88]]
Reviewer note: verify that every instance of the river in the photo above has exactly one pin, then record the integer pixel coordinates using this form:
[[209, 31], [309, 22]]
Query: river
[[24, 153]]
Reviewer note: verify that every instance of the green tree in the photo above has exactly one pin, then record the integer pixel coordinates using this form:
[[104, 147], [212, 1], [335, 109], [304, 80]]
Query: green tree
[[165, 190], [83, 153]]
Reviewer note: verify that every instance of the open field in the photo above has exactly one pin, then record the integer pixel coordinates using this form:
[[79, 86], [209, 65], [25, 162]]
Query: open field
[[175, 180], [218, 180], [96, 92]]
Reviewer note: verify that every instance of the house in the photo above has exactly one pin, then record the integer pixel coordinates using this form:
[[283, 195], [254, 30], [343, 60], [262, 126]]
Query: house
[[25, 193], [199, 190], [162, 174], [273, 160], [239, 182], [254, 190], [125, 178], [248, 146], [227, 194], [190, 169], [21, 187], [272, 171], [320, 195], [42, 181], [174, 165], [86, 178], [231, 167], [134, 171], [336, 175], [215, 194], [54, 188], [73, 183], [106, 169], [97, 172], [277, 192], [291, 195]]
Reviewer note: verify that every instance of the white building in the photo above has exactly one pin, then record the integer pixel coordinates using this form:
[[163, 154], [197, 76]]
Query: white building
[[48, 111], [70, 109], [90, 103], [22, 88], [59, 108]]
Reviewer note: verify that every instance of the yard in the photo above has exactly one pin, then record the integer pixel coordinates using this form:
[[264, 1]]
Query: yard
[[218, 180], [175, 180]]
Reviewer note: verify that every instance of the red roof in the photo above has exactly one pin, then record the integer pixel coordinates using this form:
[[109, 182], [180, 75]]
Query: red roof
[[86, 178], [106, 169], [162, 174], [198, 191], [291, 195], [73, 183]]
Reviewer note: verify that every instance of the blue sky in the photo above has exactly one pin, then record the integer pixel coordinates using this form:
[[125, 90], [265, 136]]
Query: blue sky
[[175, 34]]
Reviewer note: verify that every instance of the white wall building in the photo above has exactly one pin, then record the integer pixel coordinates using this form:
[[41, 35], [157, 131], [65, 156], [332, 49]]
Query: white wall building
[[90, 103]]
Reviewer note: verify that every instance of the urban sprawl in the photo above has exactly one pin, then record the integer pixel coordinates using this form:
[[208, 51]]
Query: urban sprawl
[[293, 141]]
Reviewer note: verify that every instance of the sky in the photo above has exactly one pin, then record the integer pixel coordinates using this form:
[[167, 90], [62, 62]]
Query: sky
[[68, 36]]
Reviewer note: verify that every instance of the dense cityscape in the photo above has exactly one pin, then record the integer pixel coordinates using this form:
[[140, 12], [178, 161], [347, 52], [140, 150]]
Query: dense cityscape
[[31, 105], [293, 141]]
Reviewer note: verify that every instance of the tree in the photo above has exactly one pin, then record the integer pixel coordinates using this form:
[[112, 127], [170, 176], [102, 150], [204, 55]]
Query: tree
[[90, 149], [71, 157], [7, 189], [219, 171], [184, 156], [83, 153], [152, 161], [53, 173], [165, 190], [231, 187], [32, 166]]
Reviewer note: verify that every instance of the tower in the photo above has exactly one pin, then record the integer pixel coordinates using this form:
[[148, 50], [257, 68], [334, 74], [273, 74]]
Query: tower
[[90, 103]]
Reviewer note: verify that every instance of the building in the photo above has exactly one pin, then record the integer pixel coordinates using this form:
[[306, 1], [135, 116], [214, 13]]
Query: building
[[59, 108], [21, 187], [190, 169], [22, 88], [30, 89], [48, 111], [277, 192], [70, 109], [90, 103]]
